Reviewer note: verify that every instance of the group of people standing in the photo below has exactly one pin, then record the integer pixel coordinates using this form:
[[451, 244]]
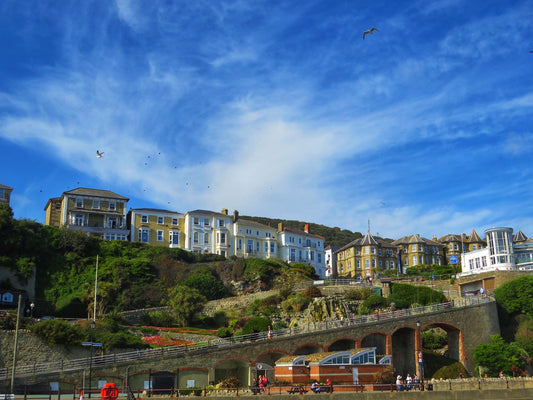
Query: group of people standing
[[409, 383], [259, 385]]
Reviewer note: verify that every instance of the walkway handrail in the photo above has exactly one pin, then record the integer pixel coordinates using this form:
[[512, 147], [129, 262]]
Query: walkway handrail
[[215, 343]]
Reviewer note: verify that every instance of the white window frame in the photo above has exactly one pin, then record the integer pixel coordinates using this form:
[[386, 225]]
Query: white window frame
[[96, 204], [160, 235]]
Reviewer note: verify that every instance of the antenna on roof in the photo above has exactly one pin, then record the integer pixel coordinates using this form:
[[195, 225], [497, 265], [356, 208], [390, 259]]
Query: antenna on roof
[[368, 224]]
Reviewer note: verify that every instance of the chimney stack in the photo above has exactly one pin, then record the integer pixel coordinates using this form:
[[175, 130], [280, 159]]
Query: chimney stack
[[280, 227], [306, 228], [235, 216]]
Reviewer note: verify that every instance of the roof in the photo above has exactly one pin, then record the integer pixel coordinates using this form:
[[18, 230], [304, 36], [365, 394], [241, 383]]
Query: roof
[[5, 187], [474, 237], [253, 223], [155, 210], [414, 239], [519, 236], [95, 193], [301, 233], [207, 212], [367, 241]]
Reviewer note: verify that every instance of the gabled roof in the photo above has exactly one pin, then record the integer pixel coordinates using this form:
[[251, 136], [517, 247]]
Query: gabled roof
[[519, 236], [450, 238], [95, 193], [474, 237], [368, 240]]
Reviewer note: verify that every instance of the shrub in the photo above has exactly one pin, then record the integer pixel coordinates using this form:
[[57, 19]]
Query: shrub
[[230, 383], [56, 331], [451, 371], [255, 325], [433, 340], [375, 301], [158, 318], [312, 292], [207, 285], [224, 332]]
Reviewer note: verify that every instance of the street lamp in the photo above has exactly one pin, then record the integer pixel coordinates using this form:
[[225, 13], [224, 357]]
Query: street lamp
[[419, 355], [32, 306], [93, 324]]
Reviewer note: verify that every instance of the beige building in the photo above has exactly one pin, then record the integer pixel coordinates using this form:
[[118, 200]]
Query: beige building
[[365, 257], [253, 240], [5, 194], [416, 250], [157, 227], [98, 212]]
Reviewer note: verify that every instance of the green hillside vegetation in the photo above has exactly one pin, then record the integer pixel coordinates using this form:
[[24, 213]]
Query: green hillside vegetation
[[130, 275], [512, 352], [332, 236]]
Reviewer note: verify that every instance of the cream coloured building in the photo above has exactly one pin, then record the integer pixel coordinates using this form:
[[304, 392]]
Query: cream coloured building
[[209, 232], [157, 227], [253, 240]]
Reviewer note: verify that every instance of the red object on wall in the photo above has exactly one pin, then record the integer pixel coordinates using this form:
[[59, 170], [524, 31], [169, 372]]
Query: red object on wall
[[109, 391]]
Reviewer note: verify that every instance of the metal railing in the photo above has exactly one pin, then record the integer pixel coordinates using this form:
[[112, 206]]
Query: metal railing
[[217, 343]]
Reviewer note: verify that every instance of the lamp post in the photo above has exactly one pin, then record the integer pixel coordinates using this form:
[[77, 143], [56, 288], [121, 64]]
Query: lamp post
[[419, 355], [32, 306], [93, 324]]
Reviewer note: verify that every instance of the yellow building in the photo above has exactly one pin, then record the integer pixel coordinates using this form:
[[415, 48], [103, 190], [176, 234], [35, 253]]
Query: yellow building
[[365, 257], [98, 212], [5, 194], [253, 240], [454, 245], [416, 250], [157, 227]]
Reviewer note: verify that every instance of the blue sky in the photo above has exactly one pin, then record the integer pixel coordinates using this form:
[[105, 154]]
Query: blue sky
[[275, 108]]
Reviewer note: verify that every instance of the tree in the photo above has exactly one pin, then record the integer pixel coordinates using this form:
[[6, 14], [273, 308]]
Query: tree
[[515, 296], [500, 356], [207, 285], [185, 302]]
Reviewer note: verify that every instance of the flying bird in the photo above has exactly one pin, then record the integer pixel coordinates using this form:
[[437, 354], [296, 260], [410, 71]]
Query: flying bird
[[98, 154], [371, 31]]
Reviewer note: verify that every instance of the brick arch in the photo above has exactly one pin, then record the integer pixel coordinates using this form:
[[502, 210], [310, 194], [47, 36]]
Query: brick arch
[[193, 369], [455, 339], [271, 356], [377, 339], [316, 346], [342, 343], [233, 359]]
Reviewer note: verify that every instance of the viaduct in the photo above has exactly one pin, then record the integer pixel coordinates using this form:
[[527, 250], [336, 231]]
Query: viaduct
[[468, 323]]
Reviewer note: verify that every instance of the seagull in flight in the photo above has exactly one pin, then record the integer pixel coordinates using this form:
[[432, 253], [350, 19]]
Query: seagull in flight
[[99, 154], [371, 31]]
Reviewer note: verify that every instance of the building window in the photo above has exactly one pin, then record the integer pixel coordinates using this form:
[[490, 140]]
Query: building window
[[79, 203], [250, 246], [413, 247], [144, 219], [195, 237], [206, 238], [207, 222], [196, 221], [174, 237], [319, 258], [144, 235], [272, 247], [373, 250], [221, 223], [258, 247], [96, 204], [78, 220], [292, 256], [266, 247], [239, 244], [112, 222], [414, 261], [174, 221], [159, 235], [112, 205], [160, 220]]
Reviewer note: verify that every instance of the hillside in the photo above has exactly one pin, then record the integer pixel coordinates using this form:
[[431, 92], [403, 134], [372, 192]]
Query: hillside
[[332, 236]]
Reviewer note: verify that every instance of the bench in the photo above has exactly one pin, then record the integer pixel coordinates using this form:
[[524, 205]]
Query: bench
[[297, 389]]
